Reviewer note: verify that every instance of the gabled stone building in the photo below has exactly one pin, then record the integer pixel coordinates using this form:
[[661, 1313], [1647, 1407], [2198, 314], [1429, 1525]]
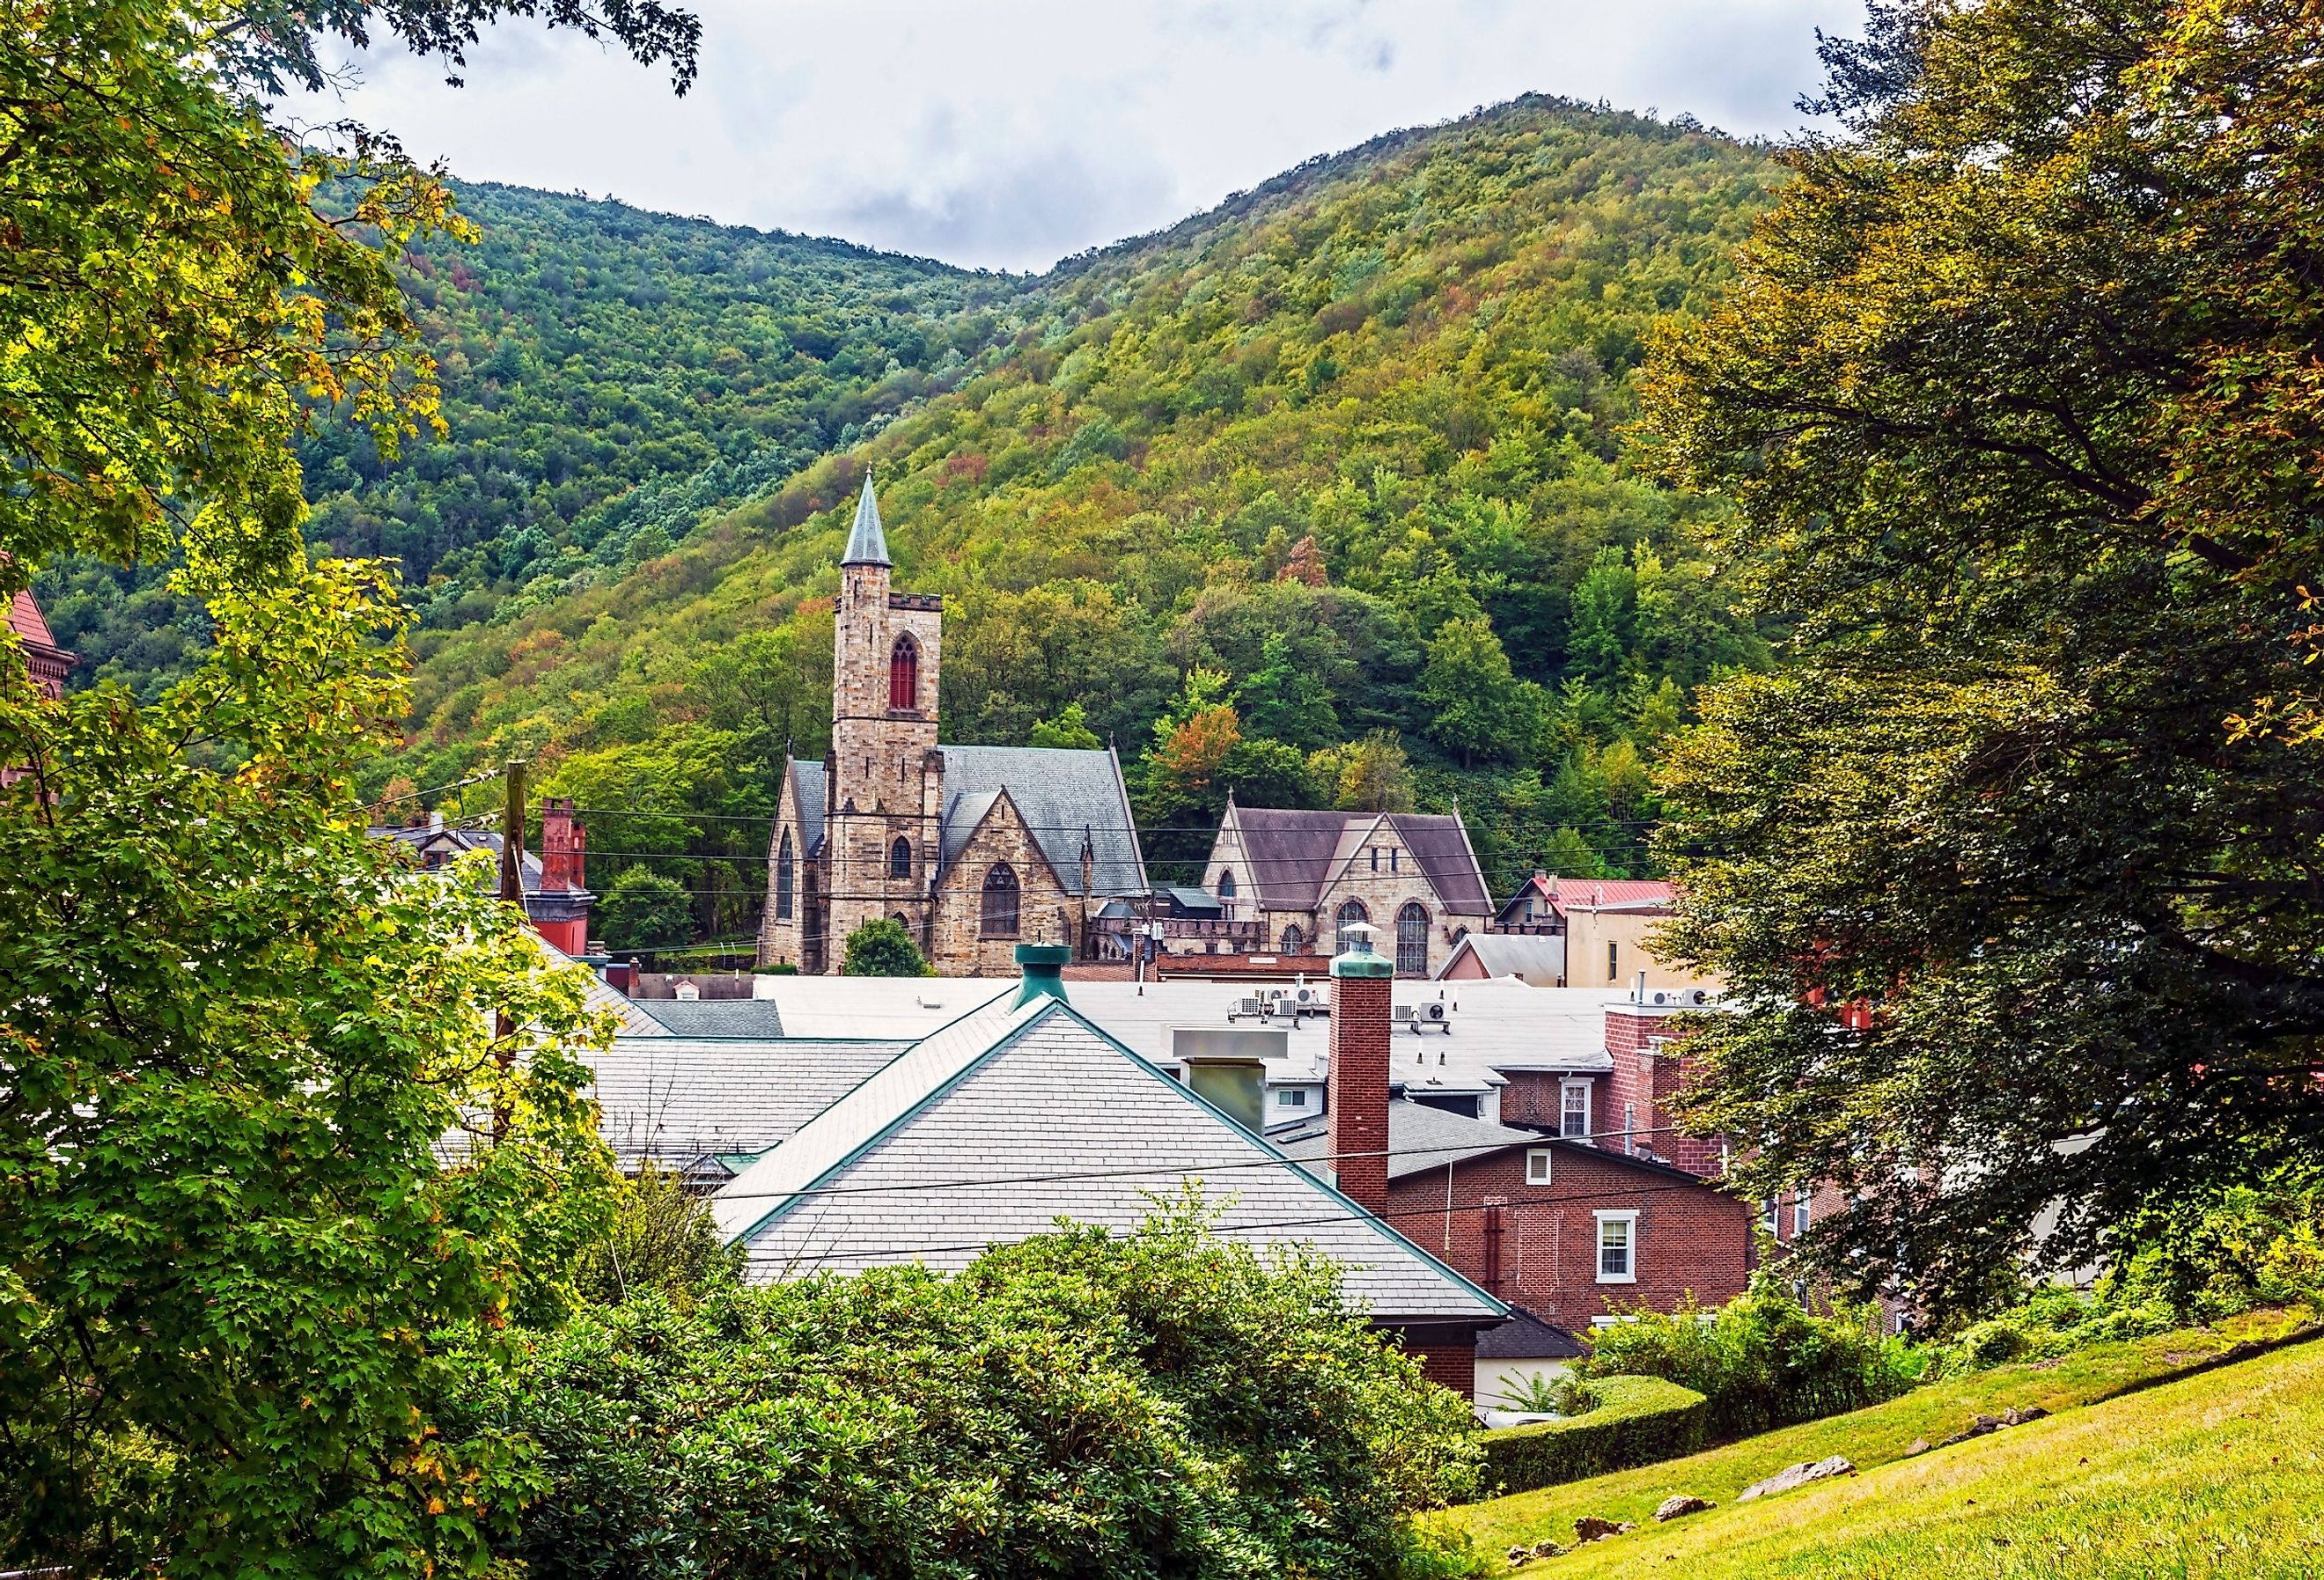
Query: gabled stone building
[[973, 848], [1306, 876]]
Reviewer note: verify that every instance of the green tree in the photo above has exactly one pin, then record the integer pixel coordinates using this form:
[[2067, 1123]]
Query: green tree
[[643, 909], [883, 946], [1472, 705], [659, 1239], [1373, 775], [1164, 1401], [1069, 730], [235, 1248], [2008, 412]]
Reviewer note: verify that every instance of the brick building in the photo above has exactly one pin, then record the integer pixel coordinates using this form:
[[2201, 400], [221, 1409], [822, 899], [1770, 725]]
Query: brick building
[[1564, 1229], [556, 901], [1605, 929], [1304, 878], [971, 848], [46, 664]]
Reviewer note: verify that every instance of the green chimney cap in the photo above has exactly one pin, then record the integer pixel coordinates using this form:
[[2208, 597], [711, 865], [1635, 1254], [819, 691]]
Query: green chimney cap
[[1044, 966], [1358, 960]]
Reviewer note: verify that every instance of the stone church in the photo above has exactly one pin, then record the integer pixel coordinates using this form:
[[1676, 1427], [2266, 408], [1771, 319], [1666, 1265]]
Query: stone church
[[974, 849]]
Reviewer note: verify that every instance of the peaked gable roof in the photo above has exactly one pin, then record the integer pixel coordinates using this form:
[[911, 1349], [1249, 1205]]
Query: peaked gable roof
[[1565, 894], [31, 626], [676, 1098], [1064, 795], [1294, 855], [807, 777], [1535, 958], [960, 1143]]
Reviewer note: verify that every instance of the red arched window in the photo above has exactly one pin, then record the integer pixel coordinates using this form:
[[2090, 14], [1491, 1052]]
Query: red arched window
[[904, 674]]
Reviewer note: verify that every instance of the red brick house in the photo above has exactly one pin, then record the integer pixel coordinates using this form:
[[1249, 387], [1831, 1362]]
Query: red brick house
[[556, 901], [1564, 1229], [45, 664]]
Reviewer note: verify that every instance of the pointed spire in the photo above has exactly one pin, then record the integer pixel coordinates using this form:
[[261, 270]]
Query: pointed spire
[[867, 543]]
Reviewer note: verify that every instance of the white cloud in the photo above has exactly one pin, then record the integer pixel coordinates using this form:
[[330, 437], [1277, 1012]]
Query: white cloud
[[1009, 133]]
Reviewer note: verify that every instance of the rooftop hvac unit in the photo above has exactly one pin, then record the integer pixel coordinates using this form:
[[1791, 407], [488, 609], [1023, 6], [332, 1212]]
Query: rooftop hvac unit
[[1432, 1011]]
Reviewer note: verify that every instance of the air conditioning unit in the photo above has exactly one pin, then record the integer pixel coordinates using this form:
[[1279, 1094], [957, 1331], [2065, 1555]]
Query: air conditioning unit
[[1432, 1011]]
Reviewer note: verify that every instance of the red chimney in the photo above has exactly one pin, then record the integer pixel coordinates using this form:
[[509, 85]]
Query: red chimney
[[563, 843], [1358, 1098]]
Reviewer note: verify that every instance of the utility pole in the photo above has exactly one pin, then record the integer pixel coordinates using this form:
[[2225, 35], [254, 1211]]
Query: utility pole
[[511, 893]]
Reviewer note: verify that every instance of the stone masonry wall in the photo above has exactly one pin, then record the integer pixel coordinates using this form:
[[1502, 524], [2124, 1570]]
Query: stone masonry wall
[[1045, 912]]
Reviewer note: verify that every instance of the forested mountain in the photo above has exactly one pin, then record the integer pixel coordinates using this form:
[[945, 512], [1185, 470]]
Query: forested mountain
[[1319, 497], [610, 377]]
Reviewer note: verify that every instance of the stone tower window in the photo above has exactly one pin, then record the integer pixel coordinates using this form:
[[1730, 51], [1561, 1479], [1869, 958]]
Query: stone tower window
[[998, 917], [1352, 911], [1412, 940], [900, 858], [904, 674], [786, 879]]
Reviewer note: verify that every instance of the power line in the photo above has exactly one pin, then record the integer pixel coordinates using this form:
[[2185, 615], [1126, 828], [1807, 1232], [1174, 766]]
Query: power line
[[1389, 1218], [1278, 1162]]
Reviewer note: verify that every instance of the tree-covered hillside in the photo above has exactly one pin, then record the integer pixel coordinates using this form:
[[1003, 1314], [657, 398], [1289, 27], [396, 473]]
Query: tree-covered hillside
[[610, 377], [1319, 498]]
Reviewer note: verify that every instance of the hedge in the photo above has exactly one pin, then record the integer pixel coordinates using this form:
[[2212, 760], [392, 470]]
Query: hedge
[[1638, 1420]]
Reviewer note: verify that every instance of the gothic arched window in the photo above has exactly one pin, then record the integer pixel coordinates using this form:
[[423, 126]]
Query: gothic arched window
[[1294, 942], [904, 674], [900, 858], [997, 917], [1226, 883], [786, 880], [1412, 940], [1352, 911]]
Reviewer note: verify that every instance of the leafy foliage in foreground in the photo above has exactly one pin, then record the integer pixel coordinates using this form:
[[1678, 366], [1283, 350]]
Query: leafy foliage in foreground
[[1761, 1360], [1317, 498], [883, 946], [2021, 457], [1158, 1403], [234, 1033]]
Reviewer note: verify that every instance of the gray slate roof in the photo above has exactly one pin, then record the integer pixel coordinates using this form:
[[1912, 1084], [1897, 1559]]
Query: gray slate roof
[[962, 1143], [867, 540], [1062, 795], [1527, 1337], [1538, 958], [811, 796], [758, 1018], [1293, 853], [674, 1098], [1422, 1139]]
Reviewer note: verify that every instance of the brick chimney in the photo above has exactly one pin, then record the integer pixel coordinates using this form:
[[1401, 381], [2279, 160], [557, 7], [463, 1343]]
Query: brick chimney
[[1358, 1096], [563, 843]]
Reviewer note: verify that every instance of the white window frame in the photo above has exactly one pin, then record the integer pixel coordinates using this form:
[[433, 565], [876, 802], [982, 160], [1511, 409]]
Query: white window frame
[[1771, 1217], [1291, 1097], [1564, 1089], [1629, 1218], [1538, 1168], [1799, 1214]]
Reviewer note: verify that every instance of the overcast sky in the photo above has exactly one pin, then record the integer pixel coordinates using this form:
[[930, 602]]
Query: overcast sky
[[1008, 134]]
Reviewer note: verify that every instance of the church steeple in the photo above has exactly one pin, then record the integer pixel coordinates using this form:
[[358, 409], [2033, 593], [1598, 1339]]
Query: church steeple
[[867, 544]]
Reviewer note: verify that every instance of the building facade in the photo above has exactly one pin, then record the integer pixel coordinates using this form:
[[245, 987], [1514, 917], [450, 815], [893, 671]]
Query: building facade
[[1605, 930], [1305, 877], [45, 664], [973, 849]]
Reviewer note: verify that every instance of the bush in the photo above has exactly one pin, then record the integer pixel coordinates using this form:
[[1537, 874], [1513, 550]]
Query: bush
[[1160, 1403], [1761, 1360], [642, 910], [660, 1241], [1564, 1396], [883, 946], [1638, 1420]]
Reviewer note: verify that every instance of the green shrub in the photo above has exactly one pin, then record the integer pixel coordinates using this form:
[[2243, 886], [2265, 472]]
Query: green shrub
[[1638, 1420], [883, 946], [1090, 1404], [659, 1241], [1564, 1396], [1761, 1360]]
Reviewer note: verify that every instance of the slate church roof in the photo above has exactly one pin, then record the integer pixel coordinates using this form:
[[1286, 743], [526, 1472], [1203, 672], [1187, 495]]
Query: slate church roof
[[1294, 855], [673, 1099], [1065, 796], [867, 540], [960, 1143]]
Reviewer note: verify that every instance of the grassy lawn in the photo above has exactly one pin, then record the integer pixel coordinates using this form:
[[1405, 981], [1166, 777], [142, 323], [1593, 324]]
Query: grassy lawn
[[2217, 1474]]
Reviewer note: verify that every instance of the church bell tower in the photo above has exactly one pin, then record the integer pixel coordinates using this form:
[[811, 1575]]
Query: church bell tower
[[885, 776]]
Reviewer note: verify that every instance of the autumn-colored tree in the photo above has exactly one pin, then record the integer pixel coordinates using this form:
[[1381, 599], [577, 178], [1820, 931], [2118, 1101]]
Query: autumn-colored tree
[[2017, 407]]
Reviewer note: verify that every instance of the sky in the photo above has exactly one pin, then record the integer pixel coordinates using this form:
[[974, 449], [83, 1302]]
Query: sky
[[1009, 134]]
